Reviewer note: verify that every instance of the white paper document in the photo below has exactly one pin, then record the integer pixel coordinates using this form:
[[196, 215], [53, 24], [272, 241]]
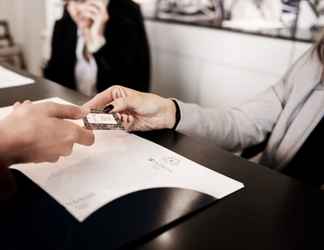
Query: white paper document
[[9, 78], [118, 164]]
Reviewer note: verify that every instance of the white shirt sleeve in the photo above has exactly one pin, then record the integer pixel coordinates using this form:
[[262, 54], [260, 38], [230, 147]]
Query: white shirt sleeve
[[233, 128]]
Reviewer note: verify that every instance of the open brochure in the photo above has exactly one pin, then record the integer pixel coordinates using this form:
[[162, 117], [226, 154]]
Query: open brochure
[[119, 164]]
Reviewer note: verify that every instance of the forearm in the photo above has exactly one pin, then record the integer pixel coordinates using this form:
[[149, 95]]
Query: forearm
[[96, 44], [232, 128], [217, 126]]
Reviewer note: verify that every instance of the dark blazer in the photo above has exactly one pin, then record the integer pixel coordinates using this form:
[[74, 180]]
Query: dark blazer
[[124, 60]]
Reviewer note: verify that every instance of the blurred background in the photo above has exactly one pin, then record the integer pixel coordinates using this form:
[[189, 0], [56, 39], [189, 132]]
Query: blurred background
[[212, 52]]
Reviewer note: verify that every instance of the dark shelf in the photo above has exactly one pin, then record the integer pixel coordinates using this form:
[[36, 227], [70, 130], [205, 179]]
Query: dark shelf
[[299, 35]]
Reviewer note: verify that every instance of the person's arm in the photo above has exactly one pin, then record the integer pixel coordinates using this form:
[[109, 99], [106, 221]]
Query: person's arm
[[234, 128], [138, 111], [94, 35]]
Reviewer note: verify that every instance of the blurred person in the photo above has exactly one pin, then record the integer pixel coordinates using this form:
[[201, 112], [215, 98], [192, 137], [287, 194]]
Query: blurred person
[[288, 118], [96, 44]]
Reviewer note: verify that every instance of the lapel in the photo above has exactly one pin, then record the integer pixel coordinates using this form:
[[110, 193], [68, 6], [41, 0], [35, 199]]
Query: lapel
[[302, 112], [302, 126]]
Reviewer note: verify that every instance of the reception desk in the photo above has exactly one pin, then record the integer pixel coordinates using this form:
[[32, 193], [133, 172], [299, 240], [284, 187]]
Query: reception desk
[[273, 211]]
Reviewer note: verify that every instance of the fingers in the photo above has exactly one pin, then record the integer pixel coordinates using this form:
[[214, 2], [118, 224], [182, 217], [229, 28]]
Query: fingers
[[118, 99], [97, 9], [76, 134], [66, 151], [99, 5], [118, 93], [84, 136], [27, 102], [16, 105], [123, 104], [109, 95], [63, 111], [100, 100], [123, 118], [90, 14], [68, 134], [129, 122], [53, 159], [91, 8]]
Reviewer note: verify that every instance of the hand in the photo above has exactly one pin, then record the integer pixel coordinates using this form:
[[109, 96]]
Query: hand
[[94, 34], [39, 133], [138, 111]]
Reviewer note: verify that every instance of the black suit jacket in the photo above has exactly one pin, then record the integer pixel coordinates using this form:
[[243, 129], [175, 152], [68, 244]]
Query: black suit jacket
[[124, 60]]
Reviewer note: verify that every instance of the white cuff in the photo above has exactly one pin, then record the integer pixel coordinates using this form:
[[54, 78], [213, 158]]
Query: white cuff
[[96, 45]]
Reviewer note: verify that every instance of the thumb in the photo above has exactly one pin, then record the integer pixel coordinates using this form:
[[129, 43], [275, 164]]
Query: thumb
[[65, 111]]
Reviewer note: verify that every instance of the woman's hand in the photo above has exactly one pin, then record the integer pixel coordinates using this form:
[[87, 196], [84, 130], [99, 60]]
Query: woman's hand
[[96, 11], [39, 133], [138, 111]]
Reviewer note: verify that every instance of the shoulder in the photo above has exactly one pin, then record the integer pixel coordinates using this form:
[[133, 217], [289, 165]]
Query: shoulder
[[302, 77], [65, 23], [125, 19], [307, 70], [126, 9]]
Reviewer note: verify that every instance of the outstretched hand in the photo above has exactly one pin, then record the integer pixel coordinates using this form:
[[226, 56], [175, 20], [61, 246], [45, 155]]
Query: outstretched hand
[[138, 111], [40, 133]]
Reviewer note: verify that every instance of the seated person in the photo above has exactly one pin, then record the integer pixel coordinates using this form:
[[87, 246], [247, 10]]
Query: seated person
[[43, 136], [290, 113], [95, 46]]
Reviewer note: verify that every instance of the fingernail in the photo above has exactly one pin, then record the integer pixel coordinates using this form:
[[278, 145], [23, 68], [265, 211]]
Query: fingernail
[[108, 108]]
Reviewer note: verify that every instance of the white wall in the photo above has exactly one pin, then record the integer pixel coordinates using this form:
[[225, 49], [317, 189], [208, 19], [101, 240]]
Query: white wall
[[27, 22], [207, 66], [54, 11], [216, 67]]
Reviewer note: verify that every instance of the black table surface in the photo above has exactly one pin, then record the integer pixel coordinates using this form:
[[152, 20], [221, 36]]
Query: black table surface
[[273, 211]]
